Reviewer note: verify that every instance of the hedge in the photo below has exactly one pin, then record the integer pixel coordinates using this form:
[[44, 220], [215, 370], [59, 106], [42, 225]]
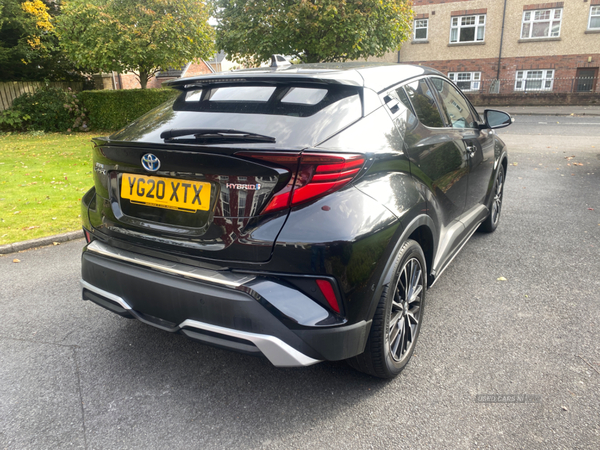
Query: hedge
[[112, 110]]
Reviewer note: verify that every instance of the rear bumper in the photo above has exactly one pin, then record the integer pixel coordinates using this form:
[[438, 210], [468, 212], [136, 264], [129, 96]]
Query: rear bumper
[[240, 312]]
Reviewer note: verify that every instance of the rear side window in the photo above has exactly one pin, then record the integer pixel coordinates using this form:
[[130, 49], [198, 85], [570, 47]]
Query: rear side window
[[423, 102]]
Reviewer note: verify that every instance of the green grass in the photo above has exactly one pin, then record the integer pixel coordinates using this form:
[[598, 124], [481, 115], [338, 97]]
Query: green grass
[[42, 180]]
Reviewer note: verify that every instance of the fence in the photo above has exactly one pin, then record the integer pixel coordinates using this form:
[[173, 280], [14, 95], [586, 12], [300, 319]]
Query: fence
[[13, 89], [530, 85]]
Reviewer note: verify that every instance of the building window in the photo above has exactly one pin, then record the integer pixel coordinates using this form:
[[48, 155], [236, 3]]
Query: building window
[[467, 29], [594, 18], [534, 80], [466, 81], [421, 29], [542, 23]]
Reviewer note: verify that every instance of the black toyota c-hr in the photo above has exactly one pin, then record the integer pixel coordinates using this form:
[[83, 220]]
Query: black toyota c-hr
[[298, 213]]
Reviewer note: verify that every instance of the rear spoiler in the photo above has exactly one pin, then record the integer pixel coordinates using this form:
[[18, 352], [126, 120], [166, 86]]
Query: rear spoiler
[[287, 74]]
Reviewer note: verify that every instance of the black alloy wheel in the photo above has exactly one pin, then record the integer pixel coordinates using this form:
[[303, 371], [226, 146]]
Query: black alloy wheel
[[398, 317]]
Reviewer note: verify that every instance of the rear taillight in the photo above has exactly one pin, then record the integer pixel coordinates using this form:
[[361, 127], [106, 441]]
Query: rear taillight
[[329, 294], [313, 175]]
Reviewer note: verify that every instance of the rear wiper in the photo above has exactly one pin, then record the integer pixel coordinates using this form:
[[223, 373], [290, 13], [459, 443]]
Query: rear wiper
[[214, 135]]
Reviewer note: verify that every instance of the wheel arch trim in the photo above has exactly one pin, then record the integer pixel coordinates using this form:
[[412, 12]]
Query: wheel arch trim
[[388, 271]]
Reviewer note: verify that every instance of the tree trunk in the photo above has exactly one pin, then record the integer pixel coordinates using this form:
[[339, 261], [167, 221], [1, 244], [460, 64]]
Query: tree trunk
[[310, 57], [144, 75]]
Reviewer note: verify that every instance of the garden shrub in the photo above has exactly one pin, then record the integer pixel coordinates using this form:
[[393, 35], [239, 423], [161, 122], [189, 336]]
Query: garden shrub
[[47, 109], [112, 110], [12, 119]]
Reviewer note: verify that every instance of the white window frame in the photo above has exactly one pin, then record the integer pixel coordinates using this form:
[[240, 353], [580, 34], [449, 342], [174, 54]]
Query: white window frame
[[426, 27], [594, 13], [473, 78], [457, 23], [523, 76], [532, 17]]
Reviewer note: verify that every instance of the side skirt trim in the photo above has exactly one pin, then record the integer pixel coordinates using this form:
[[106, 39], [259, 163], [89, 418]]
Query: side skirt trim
[[437, 275]]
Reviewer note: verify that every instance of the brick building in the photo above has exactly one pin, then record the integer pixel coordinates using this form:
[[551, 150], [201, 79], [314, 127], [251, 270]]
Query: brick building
[[508, 46], [129, 80]]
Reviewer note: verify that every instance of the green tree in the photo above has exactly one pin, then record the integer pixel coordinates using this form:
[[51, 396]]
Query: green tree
[[250, 31], [29, 47], [130, 35]]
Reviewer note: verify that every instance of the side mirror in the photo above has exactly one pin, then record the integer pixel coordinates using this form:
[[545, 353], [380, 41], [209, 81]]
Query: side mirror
[[496, 119]]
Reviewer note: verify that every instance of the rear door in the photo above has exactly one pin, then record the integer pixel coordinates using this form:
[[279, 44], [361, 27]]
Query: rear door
[[437, 154], [479, 144]]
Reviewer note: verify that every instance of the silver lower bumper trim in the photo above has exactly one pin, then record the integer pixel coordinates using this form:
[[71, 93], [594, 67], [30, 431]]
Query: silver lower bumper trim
[[115, 298], [228, 279], [276, 351]]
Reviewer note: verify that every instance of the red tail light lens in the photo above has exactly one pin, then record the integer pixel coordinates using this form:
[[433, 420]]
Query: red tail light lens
[[329, 293], [313, 175]]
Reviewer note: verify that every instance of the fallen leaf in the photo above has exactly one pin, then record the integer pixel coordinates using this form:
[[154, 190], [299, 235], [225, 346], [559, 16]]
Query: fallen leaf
[[16, 212], [569, 157], [56, 243], [514, 164], [577, 164], [501, 279], [16, 260], [590, 209]]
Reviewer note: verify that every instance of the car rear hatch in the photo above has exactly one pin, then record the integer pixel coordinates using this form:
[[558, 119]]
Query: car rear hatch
[[210, 174]]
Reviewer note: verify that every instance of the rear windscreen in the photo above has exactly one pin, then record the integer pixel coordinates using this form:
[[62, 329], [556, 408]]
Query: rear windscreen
[[285, 100], [295, 115]]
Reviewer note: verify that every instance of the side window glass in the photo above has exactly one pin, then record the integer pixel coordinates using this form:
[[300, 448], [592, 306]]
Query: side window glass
[[404, 98], [454, 106], [423, 101], [409, 118]]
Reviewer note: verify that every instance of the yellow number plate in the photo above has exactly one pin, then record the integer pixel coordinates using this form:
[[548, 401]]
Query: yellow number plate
[[159, 192]]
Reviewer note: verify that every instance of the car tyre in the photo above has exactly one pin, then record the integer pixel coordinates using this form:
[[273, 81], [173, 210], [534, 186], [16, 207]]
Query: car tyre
[[490, 224], [397, 319]]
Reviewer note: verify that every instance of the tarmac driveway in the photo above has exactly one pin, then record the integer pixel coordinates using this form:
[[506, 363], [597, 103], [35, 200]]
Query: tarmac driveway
[[499, 364]]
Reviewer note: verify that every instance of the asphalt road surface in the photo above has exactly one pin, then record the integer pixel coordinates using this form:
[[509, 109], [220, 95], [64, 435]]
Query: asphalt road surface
[[554, 125], [499, 364]]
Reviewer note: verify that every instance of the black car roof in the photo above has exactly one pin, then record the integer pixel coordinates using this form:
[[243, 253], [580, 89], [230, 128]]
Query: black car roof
[[376, 76]]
